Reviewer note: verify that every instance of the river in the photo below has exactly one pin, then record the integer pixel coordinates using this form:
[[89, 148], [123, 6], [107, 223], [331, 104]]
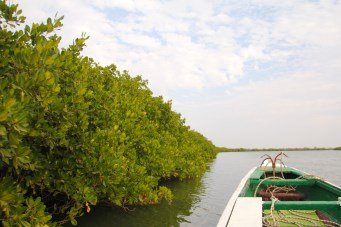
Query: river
[[200, 202]]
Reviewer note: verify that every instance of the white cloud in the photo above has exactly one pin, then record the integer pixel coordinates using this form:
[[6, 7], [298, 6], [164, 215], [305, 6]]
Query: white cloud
[[189, 64], [272, 113], [268, 58]]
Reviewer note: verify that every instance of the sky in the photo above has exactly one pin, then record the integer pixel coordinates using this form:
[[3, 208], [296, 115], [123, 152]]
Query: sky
[[255, 73]]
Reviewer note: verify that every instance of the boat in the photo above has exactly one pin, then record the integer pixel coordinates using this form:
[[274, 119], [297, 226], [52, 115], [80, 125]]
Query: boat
[[274, 194]]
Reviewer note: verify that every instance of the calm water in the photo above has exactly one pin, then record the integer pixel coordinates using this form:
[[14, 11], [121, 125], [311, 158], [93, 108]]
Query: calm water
[[201, 202]]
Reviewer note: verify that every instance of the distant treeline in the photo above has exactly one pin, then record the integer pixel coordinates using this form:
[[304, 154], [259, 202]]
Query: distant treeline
[[225, 149]]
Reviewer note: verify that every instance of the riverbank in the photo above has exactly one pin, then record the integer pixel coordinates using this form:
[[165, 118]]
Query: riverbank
[[225, 149]]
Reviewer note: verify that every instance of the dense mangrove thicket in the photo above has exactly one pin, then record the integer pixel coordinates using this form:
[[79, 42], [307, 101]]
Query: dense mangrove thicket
[[74, 133]]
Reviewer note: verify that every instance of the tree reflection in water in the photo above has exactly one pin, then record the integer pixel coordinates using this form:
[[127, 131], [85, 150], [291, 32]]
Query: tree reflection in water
[[186, 196]]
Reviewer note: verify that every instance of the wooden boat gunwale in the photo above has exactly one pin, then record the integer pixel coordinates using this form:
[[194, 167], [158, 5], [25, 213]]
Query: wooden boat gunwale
[[224, 219]]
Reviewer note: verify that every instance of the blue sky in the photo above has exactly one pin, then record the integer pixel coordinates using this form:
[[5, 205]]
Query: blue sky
[[243, 73]]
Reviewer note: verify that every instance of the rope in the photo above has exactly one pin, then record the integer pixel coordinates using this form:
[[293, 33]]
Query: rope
[[255, 194], [295, 217]]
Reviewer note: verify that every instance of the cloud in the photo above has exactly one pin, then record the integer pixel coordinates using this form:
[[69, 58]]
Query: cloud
[[242, 65], [271, 113], [209, 42], [176, 36]]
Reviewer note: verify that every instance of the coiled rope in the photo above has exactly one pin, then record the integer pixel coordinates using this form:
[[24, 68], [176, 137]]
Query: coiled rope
[[297, 218]]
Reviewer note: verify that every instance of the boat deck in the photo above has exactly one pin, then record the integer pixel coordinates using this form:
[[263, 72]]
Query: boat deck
[[245, 207]]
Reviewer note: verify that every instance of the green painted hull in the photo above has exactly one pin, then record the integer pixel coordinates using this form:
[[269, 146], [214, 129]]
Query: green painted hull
[[313, 194]]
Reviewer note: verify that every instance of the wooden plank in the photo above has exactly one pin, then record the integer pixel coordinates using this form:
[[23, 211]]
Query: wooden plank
[[286, 182], [302, 205], [329, 187], [247, 212]]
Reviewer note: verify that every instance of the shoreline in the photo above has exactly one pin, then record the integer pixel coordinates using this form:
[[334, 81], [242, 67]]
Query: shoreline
[[224, 149]]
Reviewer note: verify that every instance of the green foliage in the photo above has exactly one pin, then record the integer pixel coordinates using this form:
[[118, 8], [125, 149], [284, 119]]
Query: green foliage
[[15, 210], [74, 133]]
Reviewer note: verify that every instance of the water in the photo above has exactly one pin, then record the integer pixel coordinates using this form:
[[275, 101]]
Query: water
[[201, 202]]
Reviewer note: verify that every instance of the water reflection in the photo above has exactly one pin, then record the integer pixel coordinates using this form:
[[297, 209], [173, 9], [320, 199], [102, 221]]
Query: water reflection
[[186, 195]]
